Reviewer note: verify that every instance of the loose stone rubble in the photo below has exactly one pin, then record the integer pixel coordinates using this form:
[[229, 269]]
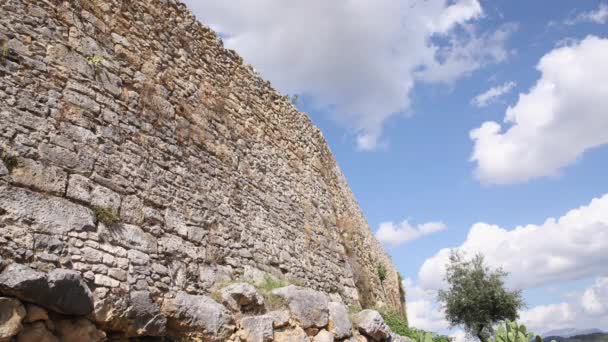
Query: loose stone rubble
[[143, 166], [186, 317]]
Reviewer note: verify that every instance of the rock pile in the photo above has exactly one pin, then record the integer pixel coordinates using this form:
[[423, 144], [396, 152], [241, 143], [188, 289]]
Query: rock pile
[[58, 306]]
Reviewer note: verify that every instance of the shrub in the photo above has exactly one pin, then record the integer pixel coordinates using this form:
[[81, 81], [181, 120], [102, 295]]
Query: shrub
[[106, 216], [381, 269], [394, 321], [265, 288], [11, 162]]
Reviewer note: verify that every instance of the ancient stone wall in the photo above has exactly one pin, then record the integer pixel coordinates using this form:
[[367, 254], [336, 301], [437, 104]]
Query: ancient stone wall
[[141, 153]]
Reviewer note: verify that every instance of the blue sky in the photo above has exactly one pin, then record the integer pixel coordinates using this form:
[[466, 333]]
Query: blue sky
[[392, 87]]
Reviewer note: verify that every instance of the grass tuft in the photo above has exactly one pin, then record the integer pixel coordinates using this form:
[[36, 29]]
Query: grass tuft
[[106, 216]]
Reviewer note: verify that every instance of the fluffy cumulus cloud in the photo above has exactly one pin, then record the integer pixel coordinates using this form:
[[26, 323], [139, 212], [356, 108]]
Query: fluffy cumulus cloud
[[357, 59], [493, 94], [577, 249], [423, 311], [595, 299], [589, 310], [400, 233], [563, 115]]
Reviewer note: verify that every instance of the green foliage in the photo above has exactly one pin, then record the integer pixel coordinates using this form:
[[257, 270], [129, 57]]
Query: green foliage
[[401, 289], [394, 320], [5, 51], [513, 332], [106, 216], [476, 297], [400, 326], [381, 269], [265, 288], [95, 61], [11, 162]]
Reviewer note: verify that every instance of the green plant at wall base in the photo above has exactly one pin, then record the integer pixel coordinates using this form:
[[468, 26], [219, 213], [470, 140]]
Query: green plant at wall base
[[11, 162], [394, 321], [95, 61], [106, 216]]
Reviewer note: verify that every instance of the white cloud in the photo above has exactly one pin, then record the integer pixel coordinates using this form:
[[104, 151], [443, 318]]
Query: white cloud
[[561, 117], [358, 59], [542, 318], [423, 312], [574, 246], [598, 16], [595, 298], [587, 311], [397, 234], [492, 94]]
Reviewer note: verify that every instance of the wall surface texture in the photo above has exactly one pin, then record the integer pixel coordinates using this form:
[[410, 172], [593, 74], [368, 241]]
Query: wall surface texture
[[141, 153]]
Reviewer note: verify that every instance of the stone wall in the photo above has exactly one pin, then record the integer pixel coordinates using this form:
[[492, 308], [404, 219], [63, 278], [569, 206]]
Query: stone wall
[[139, 152]]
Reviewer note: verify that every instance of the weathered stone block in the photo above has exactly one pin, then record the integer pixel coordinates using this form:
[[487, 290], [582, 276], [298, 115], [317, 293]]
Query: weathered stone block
[[12, 313], [308, 307], [83, 189], [61, 290], [44, 213], [45, 178]]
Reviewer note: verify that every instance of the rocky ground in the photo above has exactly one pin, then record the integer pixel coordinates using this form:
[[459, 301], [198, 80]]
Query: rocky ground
[[58, 306]]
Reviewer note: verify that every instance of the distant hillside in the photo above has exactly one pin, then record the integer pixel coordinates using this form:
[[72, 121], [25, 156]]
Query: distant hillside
[[569, 332], [594, 337]]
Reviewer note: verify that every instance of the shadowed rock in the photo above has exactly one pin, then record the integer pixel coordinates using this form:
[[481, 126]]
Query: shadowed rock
[[242, 297], [61, 290]]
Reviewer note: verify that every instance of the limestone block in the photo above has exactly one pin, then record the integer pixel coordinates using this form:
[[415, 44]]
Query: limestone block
[[12, 313], [44, 213], [323, 336], [308, 307], [36, 332], [61, 290], [242, 297], [370, 323], [339, 323], [83, 189], [292, 335], [256, 328], [45, 178], [192, 313], [78, 330]]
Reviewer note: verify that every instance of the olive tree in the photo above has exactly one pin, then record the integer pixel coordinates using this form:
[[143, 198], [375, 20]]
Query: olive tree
[[476, 297]]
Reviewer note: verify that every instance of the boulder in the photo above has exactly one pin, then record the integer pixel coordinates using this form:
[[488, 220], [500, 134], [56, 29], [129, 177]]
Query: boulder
[[35, 313], [36, 332], [280, 318], [294, 335], [256, 328], [324, 336], [370, 323], [61, 290], [308, 307], [242, 297], [12, 313], [78, 330], [196, 314], [144, 315], [339, 323]]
